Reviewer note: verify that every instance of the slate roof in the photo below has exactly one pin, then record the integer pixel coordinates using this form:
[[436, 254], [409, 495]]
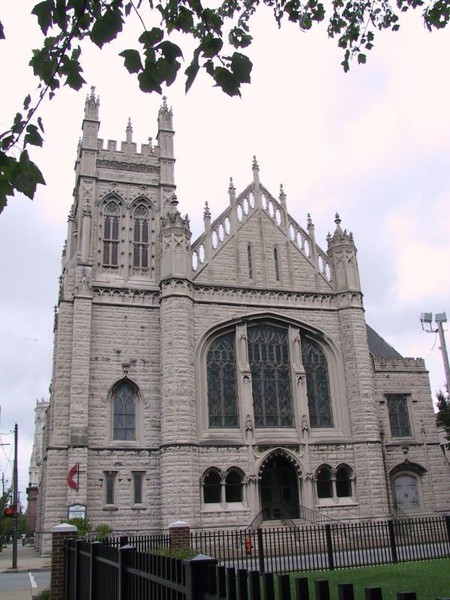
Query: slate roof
[[378, 347]]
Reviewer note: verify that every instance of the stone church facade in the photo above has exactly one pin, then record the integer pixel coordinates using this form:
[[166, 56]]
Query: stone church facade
[[222, 380]]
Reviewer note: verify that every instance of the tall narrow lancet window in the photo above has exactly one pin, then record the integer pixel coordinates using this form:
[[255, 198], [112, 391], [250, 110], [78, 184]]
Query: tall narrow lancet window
[[277, 267], [141, 225], [268, 349], [221, 376], [250, 261], [124, 415], [111, 227], [317, 384]]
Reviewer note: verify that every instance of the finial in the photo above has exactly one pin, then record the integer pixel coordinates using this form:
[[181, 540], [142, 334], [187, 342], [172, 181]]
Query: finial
[[165, 111], [255, 164], [231, 186], [150, 143], [282, 194], [206, 212], [309, 221], [129, 131], [337, 219]]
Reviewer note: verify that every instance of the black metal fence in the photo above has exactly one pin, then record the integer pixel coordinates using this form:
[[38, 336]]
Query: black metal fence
[[318, 548], [95, 571]]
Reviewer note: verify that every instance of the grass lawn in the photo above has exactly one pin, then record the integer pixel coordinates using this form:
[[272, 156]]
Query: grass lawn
[[429, 579]]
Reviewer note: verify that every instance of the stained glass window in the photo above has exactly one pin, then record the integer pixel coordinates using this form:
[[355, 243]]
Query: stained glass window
[[137, 487], [318, 389], [212, 488], [110, 479], [324, 483], [343, 483], [111, 223], [141, 237], [398, 415], [221, 376], [124, 413], [233, 487], [268, 351]]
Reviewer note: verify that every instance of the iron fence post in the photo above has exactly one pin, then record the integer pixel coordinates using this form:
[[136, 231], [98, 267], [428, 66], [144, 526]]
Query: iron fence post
[[284, 587], [92, 579], [373, 593], [345, 591], [260, 536], [322, 588], [301, 588], [447, 524], [197, 572], [392, 540], [124, 559], [329, 546]]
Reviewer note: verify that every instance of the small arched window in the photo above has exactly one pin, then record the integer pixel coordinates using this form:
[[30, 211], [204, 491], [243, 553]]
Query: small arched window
[[141, 236], [324, 482], [111, 227], [233, 487], [212, 487], [124, 412], [343, 482]]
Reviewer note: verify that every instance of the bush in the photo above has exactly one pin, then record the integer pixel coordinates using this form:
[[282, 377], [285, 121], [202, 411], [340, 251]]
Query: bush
[[103, 530], [43, 595]]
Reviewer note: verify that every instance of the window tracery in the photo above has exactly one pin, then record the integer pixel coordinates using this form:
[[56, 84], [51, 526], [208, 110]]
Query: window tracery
[[268, 351], [111, 228], [317, 383], [141, 236], [221, 376]]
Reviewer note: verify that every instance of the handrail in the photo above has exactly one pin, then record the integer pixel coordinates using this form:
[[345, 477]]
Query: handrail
[[255, 524], [316, 517]]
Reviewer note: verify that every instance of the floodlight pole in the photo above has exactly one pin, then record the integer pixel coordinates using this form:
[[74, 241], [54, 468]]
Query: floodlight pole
[[440, 330]]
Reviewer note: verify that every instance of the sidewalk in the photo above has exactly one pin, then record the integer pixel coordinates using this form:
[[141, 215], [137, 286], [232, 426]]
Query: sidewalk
[[27, 560]]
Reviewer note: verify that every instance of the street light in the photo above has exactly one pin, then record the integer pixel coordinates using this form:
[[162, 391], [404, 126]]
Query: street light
[[427, 325]]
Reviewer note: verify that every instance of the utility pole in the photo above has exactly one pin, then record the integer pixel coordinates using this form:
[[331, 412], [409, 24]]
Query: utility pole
[[15, 495]]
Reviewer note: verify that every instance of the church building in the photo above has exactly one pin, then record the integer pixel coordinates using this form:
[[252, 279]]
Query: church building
[[223, 381]]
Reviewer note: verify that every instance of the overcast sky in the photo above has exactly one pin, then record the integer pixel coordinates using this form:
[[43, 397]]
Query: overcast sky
[[372, 144]]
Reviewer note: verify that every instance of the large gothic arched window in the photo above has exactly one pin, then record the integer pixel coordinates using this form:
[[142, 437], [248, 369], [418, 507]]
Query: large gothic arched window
[[318, 388], [221, 375], [268, 351], [259, 362], [111, 228], [124, 412]]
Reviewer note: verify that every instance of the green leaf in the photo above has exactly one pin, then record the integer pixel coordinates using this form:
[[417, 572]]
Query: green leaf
[[2, 31], [106, 28], [132, 60], [151, 37], [211, 46], [241, 66], [362, 58], [169, 50], [26, 176], [191, 74], [44, 13], [149, 79], [226, 80], [33, 137]]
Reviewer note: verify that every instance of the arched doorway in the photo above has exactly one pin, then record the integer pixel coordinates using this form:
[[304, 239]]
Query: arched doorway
[[279, 488]]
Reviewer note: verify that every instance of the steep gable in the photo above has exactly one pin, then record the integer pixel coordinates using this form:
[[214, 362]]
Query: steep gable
[[256, 243]]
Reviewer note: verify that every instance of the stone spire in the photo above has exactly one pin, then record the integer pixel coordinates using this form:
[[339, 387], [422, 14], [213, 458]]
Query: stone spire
[[342, 253], [176, 244], [91, 105]]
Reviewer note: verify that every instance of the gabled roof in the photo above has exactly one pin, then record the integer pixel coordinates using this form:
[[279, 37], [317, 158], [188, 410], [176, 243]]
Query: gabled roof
[[378, 347]]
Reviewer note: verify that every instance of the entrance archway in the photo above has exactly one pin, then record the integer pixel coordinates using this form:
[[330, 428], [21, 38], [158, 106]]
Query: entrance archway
[[279, 488]]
